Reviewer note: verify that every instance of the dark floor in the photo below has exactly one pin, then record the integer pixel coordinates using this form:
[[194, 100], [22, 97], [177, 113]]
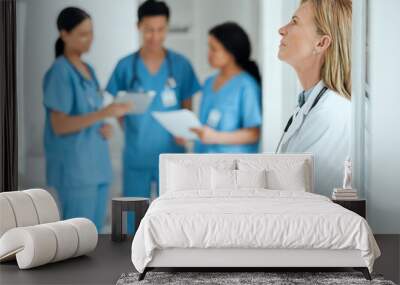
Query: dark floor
[[110, 260], [389, 262], [102, 266]]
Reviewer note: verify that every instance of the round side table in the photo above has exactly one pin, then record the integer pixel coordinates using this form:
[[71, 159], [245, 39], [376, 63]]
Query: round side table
[[139, 205]]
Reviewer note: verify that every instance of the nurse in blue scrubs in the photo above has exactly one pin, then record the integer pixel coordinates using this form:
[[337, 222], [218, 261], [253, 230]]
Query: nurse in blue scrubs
[[75, 138], [166, 74], [230, 109]]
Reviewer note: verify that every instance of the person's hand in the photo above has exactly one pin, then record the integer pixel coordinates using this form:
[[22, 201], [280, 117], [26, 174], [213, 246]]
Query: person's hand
[[206, 134], [117, 109], [106, 131], [180, 141]]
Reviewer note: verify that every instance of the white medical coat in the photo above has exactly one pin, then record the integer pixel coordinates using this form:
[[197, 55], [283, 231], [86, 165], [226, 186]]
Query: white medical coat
[[323, 131]]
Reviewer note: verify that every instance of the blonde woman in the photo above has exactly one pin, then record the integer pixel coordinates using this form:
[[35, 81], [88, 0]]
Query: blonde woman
[[317, 44]]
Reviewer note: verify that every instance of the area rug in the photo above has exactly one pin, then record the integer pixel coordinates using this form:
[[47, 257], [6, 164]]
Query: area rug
[[243, 278]]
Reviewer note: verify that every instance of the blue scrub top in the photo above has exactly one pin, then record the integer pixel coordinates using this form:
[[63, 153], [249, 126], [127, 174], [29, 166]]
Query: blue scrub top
[[79, 158], [145, 138], [238, 105]]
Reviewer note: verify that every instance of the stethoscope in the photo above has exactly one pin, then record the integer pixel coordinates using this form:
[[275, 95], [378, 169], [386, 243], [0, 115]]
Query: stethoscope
[[91, 99], [86, 83], [170, 83], [290, 121]]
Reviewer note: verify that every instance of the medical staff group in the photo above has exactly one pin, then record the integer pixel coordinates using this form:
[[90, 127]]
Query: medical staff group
[[78, 163]]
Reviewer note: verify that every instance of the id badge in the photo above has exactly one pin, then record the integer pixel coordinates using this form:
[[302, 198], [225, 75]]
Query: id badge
[[213, 118], [169, 98]]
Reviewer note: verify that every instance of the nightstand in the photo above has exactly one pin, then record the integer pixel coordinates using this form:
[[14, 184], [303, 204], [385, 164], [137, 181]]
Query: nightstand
[[358, 206]]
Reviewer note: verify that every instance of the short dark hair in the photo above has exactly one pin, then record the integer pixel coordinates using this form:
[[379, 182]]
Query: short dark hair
[[153, 8]]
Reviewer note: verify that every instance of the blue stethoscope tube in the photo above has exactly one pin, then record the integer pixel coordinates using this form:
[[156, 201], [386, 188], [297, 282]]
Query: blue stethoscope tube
[[171, 83]]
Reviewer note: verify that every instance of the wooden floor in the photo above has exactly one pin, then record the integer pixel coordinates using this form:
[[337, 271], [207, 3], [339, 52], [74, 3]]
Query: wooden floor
[[110, 260]]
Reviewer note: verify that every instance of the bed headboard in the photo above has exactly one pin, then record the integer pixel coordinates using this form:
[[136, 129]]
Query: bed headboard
[[235, 159]]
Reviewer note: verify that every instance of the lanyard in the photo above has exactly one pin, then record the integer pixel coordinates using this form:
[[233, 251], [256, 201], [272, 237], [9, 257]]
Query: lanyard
[[290, 121]]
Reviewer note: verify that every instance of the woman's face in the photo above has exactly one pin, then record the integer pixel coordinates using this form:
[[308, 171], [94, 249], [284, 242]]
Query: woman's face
[[80, 38], [154, 30], [300, 40], [218, 56]]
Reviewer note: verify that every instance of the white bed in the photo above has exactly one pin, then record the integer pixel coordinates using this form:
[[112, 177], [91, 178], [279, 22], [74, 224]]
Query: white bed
[[203, 220]]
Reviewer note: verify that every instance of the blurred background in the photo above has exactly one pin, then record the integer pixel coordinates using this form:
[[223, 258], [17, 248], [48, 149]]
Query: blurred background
[[115, 35], [375, 65]]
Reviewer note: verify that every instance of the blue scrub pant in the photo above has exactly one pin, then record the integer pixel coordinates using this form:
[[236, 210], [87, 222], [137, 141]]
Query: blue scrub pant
[[88, 201], [137, 183]]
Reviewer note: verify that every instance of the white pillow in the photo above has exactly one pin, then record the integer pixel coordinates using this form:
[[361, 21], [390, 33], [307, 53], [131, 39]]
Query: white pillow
[[223, 179], [282, 174], [226, 179], [290, 178], [251, 178], [187, 177]]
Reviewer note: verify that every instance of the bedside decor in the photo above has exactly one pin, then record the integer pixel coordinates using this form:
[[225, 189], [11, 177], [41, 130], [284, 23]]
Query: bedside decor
[[346, 192]]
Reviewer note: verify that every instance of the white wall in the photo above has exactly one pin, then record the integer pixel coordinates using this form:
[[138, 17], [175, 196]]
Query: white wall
[[358, 98], [115, 35], [280, 84], [383, 185]]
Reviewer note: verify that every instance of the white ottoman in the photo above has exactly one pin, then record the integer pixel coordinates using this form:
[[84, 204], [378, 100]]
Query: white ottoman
[[31, 232]]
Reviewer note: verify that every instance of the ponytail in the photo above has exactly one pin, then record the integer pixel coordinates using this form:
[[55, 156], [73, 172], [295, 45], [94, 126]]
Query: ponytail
[[59, 47], [251, 68]]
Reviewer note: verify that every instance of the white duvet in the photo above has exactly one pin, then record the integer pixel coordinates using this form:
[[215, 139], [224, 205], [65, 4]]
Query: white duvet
[[253, 218]]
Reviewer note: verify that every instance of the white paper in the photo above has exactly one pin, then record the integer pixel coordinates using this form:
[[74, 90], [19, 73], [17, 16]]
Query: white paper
[[179, 123], [141, 101]]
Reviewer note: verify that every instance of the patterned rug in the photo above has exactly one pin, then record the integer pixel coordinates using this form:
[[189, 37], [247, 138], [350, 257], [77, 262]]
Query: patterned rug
[[243, 278]]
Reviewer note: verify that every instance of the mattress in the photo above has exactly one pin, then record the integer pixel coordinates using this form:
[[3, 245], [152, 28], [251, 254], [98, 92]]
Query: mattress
[[251, 219]]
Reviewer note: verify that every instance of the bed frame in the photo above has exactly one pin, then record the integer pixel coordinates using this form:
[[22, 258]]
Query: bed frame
[[248, 259]]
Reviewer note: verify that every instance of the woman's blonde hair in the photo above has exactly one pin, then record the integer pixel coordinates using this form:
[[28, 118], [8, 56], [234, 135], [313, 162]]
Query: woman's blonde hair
[[333, 18]]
